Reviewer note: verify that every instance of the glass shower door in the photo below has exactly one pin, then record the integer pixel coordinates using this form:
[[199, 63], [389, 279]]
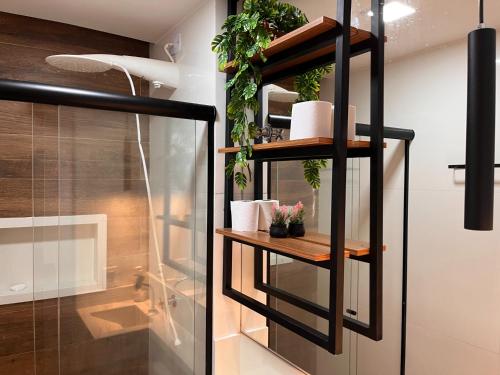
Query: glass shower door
[[98, 278]]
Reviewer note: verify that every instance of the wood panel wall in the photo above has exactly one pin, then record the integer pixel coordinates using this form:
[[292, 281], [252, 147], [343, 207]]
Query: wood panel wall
[[70, 161]]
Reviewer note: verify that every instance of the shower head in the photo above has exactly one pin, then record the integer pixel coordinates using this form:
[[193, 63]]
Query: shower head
[[79, 63], [160, 73]]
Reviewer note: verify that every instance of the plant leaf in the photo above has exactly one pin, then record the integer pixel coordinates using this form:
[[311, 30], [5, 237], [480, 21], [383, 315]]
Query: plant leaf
[[250, 90]]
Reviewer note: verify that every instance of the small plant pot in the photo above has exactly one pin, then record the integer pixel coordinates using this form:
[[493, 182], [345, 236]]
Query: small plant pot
[[278, 231], [296, 230]]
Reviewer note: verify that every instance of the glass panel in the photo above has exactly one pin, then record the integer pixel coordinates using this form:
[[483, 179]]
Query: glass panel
[[174, 151], [104, 243], [138, 279], [17, 309], [89, 286], [47, 237]]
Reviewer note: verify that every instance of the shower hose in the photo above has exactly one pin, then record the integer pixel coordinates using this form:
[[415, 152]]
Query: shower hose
[[177, 341]]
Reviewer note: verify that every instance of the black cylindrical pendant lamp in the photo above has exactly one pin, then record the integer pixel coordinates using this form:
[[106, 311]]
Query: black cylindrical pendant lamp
[[480, 163]]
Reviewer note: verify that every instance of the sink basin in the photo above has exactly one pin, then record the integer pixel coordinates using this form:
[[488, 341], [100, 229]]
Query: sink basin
[[115, 318], [123, 317]]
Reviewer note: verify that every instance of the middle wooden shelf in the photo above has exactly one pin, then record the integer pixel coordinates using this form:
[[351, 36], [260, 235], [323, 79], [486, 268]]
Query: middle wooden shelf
[[313, 247], [302, 149]]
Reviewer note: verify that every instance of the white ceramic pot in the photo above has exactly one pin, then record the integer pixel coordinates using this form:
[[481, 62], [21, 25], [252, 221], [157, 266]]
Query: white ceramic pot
[[351, 123], [266, 213], [311, 119], [245, 216]]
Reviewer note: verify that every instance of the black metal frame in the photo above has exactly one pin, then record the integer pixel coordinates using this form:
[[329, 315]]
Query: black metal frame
[[58, 95], [462, 166], [404, 286], [339, 154], [405, 135]]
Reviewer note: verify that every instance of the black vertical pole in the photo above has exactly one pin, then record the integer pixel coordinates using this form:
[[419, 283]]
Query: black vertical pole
[[210, 250], [337, 245], [258, 174], [404, 292], [227, 253], [377, 170]]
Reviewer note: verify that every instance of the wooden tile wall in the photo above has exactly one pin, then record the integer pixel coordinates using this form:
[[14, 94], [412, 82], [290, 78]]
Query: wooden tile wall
[[70, 161]]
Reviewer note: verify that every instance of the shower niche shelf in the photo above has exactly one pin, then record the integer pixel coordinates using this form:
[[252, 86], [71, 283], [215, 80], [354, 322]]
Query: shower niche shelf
[[67, 254]]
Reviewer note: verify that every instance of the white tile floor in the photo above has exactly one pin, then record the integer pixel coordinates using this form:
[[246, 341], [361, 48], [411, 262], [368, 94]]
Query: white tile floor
[[238, 355]]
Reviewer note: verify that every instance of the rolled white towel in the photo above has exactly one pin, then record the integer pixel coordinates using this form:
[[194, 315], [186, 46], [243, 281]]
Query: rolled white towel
[[245, 216], [266, 213], [311, 119]]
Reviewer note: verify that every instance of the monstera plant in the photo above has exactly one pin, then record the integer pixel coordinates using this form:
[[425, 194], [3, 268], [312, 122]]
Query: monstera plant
[[244, 38]]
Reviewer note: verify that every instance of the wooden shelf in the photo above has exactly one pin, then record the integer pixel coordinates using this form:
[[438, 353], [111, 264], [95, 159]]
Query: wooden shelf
[[302, 149], [313, 247], [298, 143], [318, 38]]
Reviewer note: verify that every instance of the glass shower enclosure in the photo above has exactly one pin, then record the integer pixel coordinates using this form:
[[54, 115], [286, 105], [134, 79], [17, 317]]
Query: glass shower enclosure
[[98, 275]]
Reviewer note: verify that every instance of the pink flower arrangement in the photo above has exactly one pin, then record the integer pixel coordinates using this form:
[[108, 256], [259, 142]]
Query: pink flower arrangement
[[297, 214], [280, 215]]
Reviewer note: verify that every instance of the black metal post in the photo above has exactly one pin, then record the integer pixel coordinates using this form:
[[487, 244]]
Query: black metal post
[[210, 250], [227, 258], [337, 244], [404, 283], [377, 171]]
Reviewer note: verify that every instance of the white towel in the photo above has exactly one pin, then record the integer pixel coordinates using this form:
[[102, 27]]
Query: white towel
[[245, 216], [311, 119], [266, 213]]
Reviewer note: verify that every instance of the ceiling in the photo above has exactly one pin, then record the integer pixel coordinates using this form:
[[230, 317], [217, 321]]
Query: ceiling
[[146, 20], [435, 22]]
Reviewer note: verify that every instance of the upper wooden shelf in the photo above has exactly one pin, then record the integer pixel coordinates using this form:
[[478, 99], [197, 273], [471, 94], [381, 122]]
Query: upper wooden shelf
[[311, 34], [313, 247]]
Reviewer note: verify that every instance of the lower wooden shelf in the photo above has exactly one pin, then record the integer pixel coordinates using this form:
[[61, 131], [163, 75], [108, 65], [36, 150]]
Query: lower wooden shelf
[[313, 246]]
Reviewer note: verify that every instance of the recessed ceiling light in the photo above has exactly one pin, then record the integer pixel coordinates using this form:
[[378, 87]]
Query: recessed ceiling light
[[394, 11]]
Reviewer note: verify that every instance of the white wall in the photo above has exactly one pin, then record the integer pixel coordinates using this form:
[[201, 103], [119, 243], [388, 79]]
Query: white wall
[[454, 275], [454, 278], [202, 83]]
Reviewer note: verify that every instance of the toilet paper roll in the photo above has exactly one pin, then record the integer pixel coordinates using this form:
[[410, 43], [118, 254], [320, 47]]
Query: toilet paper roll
[[311, 119], [266, 213], [351, 123], [245, 216]]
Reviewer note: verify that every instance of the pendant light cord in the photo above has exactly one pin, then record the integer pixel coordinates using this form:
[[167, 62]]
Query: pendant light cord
[[481, 12]]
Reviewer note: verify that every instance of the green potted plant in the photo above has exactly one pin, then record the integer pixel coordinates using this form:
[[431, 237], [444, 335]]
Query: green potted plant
[[244, 38], [296, 221], [279, 220]]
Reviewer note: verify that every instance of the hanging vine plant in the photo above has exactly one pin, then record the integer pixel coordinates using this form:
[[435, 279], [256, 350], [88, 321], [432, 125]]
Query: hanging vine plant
[[245, 36], [308, 86]]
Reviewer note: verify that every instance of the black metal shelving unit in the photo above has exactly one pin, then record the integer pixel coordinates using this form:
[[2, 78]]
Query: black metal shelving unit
[[294, 61]]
